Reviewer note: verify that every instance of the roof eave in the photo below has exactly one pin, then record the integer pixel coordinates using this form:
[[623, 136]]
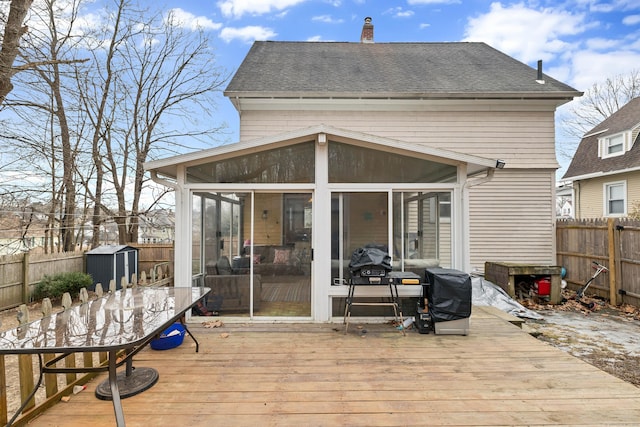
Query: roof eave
[[599, 174], [559, 95]]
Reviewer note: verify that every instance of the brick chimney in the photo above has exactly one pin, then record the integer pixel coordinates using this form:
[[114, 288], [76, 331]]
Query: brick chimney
[[367, 31]]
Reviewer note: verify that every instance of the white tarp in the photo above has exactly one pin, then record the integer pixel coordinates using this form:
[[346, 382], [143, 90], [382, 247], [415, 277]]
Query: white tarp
[[484, 292]]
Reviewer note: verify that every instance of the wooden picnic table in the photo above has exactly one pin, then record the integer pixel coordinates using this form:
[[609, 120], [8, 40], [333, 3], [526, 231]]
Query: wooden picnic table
[[123, 321]]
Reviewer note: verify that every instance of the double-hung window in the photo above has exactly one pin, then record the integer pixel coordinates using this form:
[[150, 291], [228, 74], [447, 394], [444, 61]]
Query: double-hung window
[[615, 198], [613, 145]]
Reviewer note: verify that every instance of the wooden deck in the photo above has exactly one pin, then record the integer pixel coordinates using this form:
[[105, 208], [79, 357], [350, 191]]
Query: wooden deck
[[307, 374]]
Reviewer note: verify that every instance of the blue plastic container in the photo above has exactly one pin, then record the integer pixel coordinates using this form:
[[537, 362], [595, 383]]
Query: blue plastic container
[[172, 337]]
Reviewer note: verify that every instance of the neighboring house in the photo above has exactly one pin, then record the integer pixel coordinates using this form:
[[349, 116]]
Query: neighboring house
[[21, 230], [564, 201], [157, 226], [605, 170], [401, 145]]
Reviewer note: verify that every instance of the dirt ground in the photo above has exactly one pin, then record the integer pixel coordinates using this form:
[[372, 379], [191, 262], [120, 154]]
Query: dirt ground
[[606, 336]]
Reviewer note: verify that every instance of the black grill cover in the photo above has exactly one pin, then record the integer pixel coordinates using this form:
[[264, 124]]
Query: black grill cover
[[448, 293], [369, 256]]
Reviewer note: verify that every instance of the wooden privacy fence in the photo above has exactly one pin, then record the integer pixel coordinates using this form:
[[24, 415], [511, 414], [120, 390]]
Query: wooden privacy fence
[[613, 242], [20, 273], [18, 373]]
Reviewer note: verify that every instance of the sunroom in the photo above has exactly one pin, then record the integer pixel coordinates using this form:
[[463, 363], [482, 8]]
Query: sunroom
[[270, 224]]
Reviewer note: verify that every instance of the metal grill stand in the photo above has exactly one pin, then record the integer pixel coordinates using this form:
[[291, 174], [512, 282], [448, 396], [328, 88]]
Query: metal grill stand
[[393, 301]]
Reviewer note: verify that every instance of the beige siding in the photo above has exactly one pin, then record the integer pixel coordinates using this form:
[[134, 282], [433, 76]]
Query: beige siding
[[512, 218], [590, 194], [523, 139]]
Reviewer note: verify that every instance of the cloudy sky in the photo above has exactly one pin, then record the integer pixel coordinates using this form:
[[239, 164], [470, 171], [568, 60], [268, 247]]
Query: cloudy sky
[[581, 42]]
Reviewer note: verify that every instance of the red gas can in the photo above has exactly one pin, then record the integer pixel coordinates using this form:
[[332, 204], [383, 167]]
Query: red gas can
[[543, 286]]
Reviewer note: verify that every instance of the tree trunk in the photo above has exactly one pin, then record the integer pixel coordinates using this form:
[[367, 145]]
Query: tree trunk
[[13, 31]]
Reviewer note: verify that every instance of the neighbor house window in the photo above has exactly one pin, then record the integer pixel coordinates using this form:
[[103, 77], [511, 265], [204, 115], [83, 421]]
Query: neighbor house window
[[615, 198], [612, 145]]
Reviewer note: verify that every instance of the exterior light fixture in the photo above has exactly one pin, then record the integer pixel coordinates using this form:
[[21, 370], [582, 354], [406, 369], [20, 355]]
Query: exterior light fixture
[[500, 164]]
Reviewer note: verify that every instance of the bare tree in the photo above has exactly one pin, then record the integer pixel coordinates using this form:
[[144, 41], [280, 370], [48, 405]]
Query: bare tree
[[598, 102], [148, 87], [164, 73], [601, 101], [51, 49], [14, 29]]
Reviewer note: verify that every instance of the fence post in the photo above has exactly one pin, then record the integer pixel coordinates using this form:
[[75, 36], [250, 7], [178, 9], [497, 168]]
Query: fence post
[[50, 380], [612, 261], [70, 360], [3, 393], [25, 365], [25, 278]]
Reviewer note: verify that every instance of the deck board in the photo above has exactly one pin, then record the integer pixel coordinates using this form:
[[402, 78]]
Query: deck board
[[309, 374]]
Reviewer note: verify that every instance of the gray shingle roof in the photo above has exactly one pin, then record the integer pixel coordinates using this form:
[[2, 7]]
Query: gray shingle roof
[[403, 70], [586, 161]]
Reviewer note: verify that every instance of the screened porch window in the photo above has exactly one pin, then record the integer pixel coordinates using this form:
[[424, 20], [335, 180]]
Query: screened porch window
[[283, 165], [352, 164]]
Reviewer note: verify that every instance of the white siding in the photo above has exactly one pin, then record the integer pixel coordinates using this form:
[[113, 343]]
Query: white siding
[[513, 218], [524, 139]]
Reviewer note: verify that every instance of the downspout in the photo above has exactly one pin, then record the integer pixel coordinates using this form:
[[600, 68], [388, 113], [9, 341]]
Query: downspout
[[179, 272], [155, 178], [470, 183], [479, 181]]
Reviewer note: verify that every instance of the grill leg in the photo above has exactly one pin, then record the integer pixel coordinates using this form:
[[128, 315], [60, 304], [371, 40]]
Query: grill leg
[[347, 308]]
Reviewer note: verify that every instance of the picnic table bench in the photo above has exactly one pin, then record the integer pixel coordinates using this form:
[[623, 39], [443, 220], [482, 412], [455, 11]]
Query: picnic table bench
[[124, 321]]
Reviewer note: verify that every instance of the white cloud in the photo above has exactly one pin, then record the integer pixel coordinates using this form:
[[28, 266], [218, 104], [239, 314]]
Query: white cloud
[[631, 20], [405, 14], [398, 12], [238, 8], [327, 19], [188, 20], [601, 44], [247, 34], [525, 33], [424, 25], [595, 67]]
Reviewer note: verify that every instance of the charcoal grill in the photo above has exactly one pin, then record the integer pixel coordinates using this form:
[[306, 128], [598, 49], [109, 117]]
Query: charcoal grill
[[370, 265]]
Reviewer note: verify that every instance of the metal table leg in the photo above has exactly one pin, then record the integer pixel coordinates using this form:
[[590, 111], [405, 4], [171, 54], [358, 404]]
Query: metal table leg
[[115, 392], [184, 324]]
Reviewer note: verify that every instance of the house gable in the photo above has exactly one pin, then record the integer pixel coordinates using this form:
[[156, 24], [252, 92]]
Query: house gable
[[592, 158], [168, 167]]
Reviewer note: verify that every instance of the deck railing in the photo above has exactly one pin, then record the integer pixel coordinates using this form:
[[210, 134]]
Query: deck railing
[[19, 373]]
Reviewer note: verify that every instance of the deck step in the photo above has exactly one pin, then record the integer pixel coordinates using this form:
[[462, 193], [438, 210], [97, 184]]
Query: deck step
[[514, 320]]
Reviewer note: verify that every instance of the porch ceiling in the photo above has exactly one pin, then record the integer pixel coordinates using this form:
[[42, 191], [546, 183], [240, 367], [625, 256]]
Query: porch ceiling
[[168, 166]]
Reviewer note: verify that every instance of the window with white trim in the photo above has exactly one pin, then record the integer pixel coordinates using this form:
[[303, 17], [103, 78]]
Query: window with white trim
[[612, 146], [615, 197]]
